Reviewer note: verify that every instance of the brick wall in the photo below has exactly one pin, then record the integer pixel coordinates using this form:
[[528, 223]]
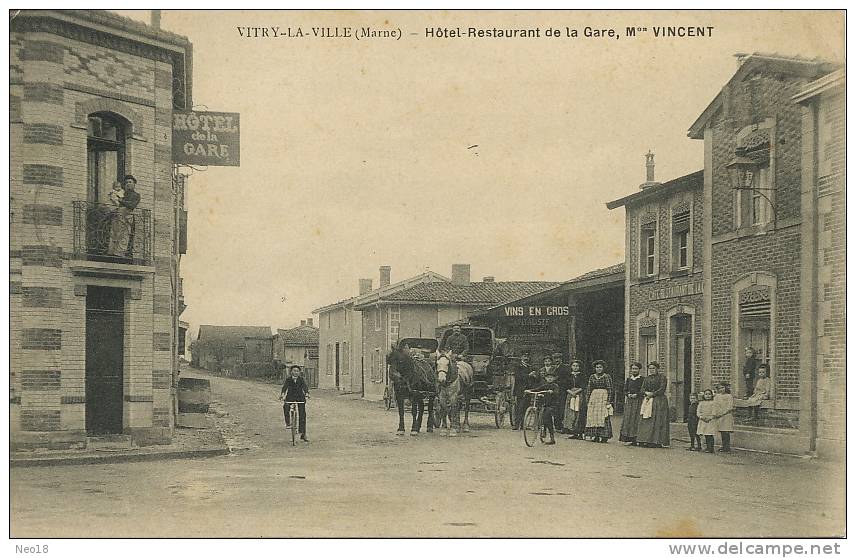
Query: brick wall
[[55, 82]]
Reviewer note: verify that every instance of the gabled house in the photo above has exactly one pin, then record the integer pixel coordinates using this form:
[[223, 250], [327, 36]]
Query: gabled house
[[225, 347], [298, 346]]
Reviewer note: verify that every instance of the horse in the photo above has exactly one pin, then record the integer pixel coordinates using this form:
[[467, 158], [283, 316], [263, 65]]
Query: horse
[[453, 386], [410, 376]]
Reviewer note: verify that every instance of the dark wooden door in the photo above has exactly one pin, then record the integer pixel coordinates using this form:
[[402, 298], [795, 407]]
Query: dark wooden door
[[105, 339]]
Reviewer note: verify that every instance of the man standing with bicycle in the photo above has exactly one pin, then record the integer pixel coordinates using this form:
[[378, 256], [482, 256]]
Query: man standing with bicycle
[[294, 390]]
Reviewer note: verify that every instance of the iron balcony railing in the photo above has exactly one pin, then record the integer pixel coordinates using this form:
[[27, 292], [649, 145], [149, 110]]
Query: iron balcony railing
[[107, 233]]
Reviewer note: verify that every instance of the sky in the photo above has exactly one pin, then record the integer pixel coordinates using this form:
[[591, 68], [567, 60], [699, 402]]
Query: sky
[[422, 152]]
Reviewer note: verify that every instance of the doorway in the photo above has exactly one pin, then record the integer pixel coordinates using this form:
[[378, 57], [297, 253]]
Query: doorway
[[337, 366], [682, 359], [105, 340]]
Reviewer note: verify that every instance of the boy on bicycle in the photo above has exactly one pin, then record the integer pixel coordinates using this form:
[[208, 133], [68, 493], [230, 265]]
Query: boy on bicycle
[[551, 399], [295, 390]]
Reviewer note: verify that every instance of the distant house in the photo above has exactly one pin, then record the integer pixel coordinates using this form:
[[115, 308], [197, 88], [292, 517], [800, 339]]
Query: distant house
[[224, 347], [418, 310], [298, 346], [341, 364]]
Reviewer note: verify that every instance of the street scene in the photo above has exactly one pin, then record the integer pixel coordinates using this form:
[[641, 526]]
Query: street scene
[[427, 274], [485, 483]]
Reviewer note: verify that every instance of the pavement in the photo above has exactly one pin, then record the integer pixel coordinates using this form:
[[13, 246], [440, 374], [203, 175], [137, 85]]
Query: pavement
[[357, 478]]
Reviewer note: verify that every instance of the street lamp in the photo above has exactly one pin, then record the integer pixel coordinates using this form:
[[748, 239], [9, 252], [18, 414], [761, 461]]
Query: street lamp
[[745, 173]]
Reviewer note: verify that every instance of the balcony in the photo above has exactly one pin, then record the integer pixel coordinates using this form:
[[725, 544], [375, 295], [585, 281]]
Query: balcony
[[103, 234]]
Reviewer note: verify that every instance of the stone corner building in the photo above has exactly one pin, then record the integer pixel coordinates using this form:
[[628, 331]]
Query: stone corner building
[[773, 234], [94, 295]]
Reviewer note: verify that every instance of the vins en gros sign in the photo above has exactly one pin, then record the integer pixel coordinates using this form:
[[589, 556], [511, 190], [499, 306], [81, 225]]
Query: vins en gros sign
[[206, 138]]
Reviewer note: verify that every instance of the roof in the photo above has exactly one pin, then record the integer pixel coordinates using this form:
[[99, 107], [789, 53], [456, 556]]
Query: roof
[[233, 332], [298, 336], [686, 182], [490, 292], [811, 68], [426, 276], [826, 83], [597, 277]]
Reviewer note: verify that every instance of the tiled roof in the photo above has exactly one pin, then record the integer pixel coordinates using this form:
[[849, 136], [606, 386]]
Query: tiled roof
[[490, 292], [602, 272], [234, 332], [378, 292], [299, 336]]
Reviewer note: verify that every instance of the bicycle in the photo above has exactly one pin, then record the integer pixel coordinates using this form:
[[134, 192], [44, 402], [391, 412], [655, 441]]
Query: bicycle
[[293, 418], [533, 420]]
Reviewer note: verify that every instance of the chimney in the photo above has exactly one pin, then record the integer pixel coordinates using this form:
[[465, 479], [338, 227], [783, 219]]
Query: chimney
[[384, 276], [461, 274], [303, 322], [649, 171], [489, 279], [156, 18], [309, 322], [365, 286]]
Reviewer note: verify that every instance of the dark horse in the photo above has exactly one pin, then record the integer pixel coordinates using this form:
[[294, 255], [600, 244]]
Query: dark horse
[[414, 379]]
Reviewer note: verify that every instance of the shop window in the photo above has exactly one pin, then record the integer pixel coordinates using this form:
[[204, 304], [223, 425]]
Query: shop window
[[681, 240], [105, 147], [647, 250]]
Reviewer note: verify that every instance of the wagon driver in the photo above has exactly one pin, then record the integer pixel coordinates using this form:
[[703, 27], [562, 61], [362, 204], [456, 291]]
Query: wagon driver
[[457, 344]]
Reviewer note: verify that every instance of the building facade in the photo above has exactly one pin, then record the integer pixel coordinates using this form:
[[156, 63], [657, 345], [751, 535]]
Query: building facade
[[342, 362], [298, 346], [761, 195], [240, 350], [94, 300], [664, 281]]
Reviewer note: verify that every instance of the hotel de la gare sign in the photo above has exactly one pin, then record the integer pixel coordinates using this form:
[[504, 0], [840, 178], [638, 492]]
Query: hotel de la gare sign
[[206, 138]]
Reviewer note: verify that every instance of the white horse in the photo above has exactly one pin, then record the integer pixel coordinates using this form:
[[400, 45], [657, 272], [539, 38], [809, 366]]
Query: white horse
[[453, 383]]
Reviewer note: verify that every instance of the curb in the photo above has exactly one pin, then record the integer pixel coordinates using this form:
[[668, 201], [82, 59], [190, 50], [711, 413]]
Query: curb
[[121, 458]]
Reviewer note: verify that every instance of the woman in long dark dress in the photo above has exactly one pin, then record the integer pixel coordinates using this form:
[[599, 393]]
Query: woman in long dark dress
[[653, 430], [599, 395], [633, 393], [574, 420]]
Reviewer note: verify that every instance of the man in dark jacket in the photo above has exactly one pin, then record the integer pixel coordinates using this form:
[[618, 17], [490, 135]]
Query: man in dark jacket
[[295, 390], [563, 380], [525, 375], [457, 343]]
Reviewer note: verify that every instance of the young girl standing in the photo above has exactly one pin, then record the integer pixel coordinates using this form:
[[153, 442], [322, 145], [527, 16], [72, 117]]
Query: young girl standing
[[707, 419], [724, 403]]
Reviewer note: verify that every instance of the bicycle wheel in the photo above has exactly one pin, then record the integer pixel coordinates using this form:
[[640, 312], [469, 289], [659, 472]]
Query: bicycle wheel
[[293, 413], [531, 426], [501, 408]]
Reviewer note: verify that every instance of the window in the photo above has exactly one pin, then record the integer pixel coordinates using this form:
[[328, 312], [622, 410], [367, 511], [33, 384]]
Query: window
[[753, 175], [754, 324], [647, 250], [394, 321], [346, 358], [105, 149], [681, 240], [377, 319], [761, 209], [329, 368], [377, 366]]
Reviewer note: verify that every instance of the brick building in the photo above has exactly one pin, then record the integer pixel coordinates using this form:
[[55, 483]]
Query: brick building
[[824, 346], [663, 280], [94, 299], [762, 236], [340, 331], [418, 310]]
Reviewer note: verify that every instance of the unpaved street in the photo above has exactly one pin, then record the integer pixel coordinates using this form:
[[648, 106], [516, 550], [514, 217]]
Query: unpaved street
[[356, 478]]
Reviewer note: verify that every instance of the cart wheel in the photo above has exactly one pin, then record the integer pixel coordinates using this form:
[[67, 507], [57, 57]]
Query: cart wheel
[[531, 426], [500, 409]]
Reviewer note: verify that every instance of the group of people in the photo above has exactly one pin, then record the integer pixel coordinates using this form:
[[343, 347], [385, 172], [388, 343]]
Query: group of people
[[581, 406]]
